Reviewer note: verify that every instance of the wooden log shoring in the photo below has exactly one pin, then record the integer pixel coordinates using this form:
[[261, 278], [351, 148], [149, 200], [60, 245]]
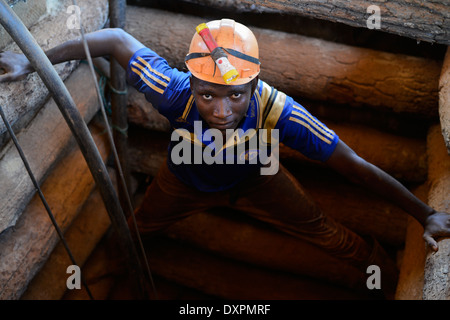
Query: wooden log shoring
[[29, 12], [410, 282], [307, 67], [231, 279], [101, 270], [33, 92], [43, 142], [82, 236], [420, 20], [26, 247], [143, 114], [444, 100], [242, 239], [402, 157], [437, 266]]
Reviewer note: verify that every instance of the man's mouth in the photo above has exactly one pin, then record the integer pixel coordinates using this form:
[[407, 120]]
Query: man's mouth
[[222, 126]]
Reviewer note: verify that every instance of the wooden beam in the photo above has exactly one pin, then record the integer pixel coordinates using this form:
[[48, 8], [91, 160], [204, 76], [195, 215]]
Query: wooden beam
[[29, 13], [231, 279], [232, 235], [420, 20], [437, 266], [444, 100], [82, 236], [26, 247], [102, 269], [142, 113], [27, 96], [309, 67], [363, 212], [410, 282], [43, 142], [402, 157]]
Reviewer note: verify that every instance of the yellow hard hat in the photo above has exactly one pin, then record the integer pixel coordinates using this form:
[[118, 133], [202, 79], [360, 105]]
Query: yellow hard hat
[[238, 42]]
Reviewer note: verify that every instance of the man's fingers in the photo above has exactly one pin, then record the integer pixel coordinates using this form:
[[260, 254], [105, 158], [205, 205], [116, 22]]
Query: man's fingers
[[3, 64], [11, 76], [431, 242], [5, 77], [5, 73]]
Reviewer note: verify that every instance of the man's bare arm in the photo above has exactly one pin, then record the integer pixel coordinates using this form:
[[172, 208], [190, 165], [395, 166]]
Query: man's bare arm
[[114, 42], [345, 161]]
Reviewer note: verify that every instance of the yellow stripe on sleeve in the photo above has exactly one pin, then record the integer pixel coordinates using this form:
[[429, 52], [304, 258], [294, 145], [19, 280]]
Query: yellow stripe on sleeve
[[317, 126], [188, 107], [151, 85], [149, 67], [151, 76], [306, 125]]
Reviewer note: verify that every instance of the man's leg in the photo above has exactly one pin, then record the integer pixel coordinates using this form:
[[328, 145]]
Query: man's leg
[[281, 201], [167, 200]]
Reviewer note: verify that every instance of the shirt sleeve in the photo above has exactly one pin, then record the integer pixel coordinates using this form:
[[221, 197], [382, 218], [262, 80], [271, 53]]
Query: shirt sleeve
[[299, 129], [164, 87]]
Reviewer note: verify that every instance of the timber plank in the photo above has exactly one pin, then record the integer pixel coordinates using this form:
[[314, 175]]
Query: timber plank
[[231, 279], [420, 20], [308, 67], [444, 100], [437, 265], [43, 143], [82, 236], [26, 247], [28, 95], [232, 235]]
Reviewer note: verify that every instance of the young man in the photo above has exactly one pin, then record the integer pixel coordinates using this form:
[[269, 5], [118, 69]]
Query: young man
[[207, 112]]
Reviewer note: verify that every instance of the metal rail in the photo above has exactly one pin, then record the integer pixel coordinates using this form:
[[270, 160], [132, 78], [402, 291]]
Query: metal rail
[[20, 34]]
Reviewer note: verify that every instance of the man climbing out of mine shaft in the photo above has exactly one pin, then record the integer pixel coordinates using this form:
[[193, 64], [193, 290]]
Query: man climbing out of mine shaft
[[206, 167]]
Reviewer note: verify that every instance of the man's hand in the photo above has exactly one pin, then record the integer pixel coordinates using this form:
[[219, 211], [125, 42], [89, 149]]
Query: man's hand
[[15, 65], [436, 225]]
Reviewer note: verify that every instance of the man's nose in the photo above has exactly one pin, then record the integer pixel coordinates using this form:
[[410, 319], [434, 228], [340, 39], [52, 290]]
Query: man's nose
[[222, 109]]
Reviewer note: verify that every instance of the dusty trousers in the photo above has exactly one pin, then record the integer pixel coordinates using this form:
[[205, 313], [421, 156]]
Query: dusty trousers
[[277, 199]]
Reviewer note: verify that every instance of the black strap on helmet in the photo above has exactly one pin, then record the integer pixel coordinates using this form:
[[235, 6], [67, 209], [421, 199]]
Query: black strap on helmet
[[237, 54]]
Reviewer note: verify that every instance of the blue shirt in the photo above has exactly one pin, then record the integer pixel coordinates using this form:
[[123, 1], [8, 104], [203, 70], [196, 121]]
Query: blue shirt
[[168, 90]]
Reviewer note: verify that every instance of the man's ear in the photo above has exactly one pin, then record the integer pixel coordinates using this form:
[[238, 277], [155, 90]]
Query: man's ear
[[255, 84], [191, 82]]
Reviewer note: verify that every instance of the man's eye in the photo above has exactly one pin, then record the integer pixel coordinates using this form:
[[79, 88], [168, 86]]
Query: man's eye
[[207, 96], [235, 95]]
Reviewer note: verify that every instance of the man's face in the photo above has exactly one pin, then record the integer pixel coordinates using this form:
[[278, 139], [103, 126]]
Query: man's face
[[222, 106]]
